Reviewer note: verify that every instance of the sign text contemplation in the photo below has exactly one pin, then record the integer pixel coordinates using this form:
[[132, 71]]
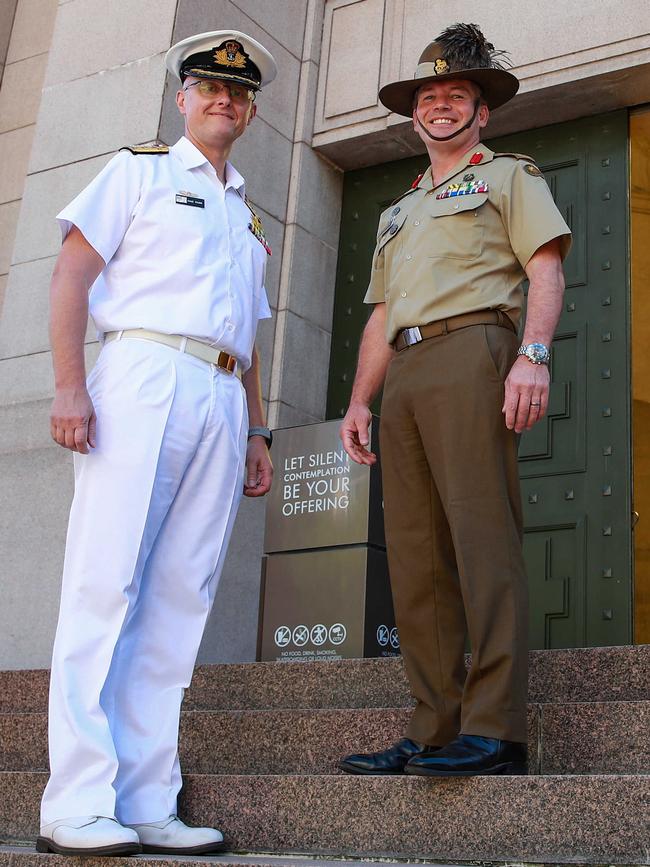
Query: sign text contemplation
[[315, 482]]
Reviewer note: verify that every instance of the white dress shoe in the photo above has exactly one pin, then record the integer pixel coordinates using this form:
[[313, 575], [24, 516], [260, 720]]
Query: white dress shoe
[[88, 835], [171, 836]]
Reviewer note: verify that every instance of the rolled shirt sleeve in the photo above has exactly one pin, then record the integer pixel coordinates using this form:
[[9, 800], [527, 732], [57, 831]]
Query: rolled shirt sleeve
[[104, 209], [529, 213]]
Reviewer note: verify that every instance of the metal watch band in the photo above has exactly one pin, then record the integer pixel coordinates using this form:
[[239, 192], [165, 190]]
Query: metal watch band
[[261, 432], [536, 353]]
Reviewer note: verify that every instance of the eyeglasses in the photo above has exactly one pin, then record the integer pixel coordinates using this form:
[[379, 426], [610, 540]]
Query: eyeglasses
[[213, 89]]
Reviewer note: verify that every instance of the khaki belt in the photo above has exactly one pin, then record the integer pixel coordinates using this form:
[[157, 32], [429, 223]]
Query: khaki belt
[[410, 336], [182, 344]]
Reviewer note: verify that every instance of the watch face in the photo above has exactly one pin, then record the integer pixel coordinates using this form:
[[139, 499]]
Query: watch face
[[538, 353]]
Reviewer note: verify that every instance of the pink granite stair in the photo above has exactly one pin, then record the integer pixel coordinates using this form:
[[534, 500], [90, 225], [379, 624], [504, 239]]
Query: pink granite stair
[[259, 745]]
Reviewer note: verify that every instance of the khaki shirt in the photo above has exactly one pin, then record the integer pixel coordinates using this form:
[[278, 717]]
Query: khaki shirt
[[439, 255]]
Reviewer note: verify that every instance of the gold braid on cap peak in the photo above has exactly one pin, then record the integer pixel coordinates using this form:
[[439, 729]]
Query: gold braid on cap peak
[[465, 47]]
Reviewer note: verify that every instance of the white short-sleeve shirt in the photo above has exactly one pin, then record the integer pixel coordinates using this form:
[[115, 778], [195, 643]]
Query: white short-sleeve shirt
[[170, 266]]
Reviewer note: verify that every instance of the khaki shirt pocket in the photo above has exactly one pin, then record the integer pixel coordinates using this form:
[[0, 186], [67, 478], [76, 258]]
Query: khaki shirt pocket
[[457, 227]]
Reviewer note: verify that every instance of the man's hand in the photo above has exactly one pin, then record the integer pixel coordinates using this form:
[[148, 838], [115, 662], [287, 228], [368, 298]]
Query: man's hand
[[259, 469], [354, 433], [526, 399], [73, 422]]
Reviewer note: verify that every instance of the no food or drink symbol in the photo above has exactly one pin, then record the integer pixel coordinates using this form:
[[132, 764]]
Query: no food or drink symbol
[[300, 636]]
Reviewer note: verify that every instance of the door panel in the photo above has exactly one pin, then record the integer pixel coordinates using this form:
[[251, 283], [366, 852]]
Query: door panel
[[575, 464]]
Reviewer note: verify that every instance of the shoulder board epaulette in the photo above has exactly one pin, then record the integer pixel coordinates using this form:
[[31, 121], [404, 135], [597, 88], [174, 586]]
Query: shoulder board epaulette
[[155, 147], [517, 157], [531, 167], [403, 195]]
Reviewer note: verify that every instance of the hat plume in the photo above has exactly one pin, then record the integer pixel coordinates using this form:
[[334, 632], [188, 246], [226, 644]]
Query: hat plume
[[465, 47]]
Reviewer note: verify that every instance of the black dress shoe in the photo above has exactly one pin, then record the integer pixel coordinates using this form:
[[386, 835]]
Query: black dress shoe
[[469, 756], [389, 761]]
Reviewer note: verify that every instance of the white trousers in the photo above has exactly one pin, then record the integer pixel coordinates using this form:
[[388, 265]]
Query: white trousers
[[151, 518]]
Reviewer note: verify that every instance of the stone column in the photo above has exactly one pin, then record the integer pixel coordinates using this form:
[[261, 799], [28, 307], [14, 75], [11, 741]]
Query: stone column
[[103, 88]]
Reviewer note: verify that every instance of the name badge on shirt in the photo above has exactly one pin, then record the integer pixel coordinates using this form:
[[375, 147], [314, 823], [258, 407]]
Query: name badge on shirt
[[190, 199]]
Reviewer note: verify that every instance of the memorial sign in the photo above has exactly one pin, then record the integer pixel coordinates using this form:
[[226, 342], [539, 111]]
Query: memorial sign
[[320, 498], [325, 585]]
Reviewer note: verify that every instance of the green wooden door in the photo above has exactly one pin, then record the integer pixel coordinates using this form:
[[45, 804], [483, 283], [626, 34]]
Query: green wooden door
[[575, 465]]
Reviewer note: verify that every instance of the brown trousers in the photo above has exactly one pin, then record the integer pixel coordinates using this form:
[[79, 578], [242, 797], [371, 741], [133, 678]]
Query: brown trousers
[[453, 532]]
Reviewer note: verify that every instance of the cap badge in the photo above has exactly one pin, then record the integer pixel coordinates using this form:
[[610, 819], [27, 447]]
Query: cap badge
[[230, 55], [441, 66]]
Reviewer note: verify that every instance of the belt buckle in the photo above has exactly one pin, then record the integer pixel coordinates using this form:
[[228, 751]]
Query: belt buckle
[[226, 362], [412, 335]]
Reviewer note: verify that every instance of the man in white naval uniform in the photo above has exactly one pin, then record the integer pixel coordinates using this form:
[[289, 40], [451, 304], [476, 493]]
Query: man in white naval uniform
[[166, 437]]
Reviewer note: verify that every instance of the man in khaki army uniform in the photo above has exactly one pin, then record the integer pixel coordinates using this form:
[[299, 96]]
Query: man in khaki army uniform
[[452, 254]]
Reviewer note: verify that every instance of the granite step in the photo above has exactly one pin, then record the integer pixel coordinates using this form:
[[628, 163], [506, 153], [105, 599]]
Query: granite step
[[574, 675], [572, 738], [24, 856], [550, 819]]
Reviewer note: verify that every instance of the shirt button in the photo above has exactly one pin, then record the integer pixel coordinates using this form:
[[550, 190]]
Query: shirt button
[[416, 223], [230, 326], [403, 293]]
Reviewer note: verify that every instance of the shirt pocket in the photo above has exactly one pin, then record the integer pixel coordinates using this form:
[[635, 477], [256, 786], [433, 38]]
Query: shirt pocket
[[248, 256], [457, 227]]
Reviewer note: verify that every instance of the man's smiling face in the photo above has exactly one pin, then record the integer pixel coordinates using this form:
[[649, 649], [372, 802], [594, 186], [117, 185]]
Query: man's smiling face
[[216, 119], [445, 107]]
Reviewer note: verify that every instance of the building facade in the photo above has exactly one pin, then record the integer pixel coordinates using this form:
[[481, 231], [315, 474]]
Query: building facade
[[81, 78]]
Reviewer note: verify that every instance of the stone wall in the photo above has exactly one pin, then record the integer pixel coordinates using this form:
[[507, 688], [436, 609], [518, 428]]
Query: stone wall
[[81, 78], [573, 60], [298, 195], [101, 70]]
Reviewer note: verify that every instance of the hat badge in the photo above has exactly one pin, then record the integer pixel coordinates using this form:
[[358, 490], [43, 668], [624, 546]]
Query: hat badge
[[230, 55], [441, 66]]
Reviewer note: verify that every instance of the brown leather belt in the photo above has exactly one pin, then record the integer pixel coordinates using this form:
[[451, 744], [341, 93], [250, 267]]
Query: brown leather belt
[[410, 336]]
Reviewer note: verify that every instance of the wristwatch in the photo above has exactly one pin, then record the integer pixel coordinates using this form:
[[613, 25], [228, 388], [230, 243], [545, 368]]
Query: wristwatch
[[261, 432], [536, 353]]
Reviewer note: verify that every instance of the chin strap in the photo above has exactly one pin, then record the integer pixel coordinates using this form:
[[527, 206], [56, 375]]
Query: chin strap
[[477, 105]]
